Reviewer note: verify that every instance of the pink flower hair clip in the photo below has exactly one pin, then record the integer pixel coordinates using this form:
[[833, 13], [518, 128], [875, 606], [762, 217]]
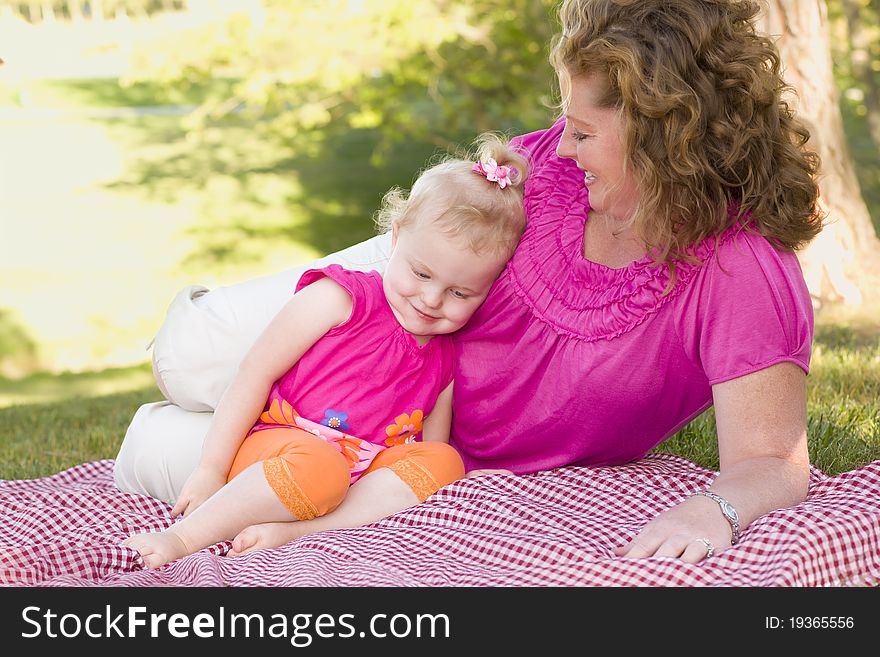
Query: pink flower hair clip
[[503, 175]]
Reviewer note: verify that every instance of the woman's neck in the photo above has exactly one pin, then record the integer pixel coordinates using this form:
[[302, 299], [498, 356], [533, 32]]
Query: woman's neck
[[607, 243]]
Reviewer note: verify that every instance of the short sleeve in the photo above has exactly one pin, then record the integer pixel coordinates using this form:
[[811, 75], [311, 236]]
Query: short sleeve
[[365, 288], [746, 309]]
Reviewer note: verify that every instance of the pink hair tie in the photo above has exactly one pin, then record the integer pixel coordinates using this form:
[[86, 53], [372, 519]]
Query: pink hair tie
[[503, 175]]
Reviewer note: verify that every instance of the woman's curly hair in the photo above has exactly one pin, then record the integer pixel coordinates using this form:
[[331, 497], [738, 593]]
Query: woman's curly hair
[[708, 134]]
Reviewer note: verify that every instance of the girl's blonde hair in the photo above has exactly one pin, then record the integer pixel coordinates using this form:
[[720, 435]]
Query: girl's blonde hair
[[707, 132], [463, 203]]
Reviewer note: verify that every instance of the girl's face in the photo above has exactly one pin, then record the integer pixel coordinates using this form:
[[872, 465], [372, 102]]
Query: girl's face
[[593, 137], [434, 282]]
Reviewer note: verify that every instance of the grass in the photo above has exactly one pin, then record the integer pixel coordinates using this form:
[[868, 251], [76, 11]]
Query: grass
[[843, 403], [39, 438], [44, 387]]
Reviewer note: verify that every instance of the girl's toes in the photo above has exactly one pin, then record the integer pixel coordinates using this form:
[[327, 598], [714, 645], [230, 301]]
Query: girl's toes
[[244, 541]]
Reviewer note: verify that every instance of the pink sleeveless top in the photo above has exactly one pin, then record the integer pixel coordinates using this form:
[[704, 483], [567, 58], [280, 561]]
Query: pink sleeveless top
[[571, 362], [367, 384]]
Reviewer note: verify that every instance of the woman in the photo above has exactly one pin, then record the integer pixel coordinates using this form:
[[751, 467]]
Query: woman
[[656, 277]]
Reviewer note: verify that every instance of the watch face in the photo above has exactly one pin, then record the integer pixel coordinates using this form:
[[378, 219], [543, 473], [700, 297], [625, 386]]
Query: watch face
[[729, 511]]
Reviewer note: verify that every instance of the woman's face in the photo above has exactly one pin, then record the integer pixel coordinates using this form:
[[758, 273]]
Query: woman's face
[[593, 137]]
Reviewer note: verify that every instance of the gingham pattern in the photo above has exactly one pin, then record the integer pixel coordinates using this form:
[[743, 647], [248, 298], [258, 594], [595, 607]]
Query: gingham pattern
[[554, 528]]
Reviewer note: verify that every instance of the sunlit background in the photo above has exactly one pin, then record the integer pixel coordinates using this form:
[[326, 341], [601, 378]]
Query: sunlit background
[[146, 145]]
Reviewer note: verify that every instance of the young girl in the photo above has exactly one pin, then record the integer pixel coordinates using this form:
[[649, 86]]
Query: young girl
[[354, 375]]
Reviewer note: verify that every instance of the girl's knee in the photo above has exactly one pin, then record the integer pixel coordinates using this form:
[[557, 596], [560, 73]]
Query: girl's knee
[[316, 480], [425, 467], [443, 461]]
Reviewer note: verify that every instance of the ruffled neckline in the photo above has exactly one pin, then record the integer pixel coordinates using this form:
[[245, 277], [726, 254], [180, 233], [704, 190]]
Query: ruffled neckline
[[575, 296]]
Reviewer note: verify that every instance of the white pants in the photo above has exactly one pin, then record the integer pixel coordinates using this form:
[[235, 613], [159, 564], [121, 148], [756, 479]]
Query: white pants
[[195, 356]]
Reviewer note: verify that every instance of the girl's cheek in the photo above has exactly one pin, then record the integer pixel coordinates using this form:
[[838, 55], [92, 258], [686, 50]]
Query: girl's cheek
[[405, 287]]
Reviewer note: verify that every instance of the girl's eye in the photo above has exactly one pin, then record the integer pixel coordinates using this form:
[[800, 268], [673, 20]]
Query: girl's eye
[[459, 294], [420, 274]]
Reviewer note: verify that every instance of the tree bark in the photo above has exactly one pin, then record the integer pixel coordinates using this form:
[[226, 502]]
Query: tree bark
[[842, 265]]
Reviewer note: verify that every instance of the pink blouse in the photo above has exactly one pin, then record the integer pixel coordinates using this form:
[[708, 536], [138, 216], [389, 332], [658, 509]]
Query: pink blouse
[[572, 362]]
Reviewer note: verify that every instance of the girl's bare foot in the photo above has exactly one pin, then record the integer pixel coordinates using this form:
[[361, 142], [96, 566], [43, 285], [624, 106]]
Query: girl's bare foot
[[265, 535], [158, 548]]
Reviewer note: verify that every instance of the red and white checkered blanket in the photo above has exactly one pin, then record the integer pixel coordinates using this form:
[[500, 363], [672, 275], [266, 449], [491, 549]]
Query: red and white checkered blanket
[[555, 528]]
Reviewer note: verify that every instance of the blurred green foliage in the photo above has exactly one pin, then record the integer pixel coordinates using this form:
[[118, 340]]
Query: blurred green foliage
[[305, 72], [312, 69], [18, 351], [855, 53], [325, 105]]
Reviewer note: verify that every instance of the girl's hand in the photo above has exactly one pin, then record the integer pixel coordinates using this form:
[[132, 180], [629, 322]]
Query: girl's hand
[[680, 531], [490, 471], [202, 483]]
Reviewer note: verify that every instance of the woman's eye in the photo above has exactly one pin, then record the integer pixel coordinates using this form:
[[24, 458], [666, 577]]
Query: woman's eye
[[579, 136]]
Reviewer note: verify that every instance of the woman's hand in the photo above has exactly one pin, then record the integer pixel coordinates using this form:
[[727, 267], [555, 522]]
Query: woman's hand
[[202, 483], [762, 444], [489, 471], [680, 532]]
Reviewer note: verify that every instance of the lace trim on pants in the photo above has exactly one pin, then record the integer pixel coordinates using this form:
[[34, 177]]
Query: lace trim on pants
[[416, 477], [287, 490]]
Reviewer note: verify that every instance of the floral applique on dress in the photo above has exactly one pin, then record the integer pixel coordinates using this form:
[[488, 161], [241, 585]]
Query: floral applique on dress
[[280, 413], [405, 428], [335, 420]]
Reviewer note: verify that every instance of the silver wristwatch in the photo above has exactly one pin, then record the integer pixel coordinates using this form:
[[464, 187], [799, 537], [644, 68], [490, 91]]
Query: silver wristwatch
[[727, 511]]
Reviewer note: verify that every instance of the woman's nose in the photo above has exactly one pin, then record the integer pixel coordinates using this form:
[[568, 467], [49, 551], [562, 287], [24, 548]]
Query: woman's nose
[[565, 148]]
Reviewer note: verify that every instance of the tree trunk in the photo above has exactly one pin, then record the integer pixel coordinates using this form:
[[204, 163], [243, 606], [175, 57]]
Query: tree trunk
[[842, 265]]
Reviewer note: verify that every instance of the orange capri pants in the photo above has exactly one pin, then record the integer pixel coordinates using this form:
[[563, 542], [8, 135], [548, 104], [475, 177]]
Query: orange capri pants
[[311, 478]]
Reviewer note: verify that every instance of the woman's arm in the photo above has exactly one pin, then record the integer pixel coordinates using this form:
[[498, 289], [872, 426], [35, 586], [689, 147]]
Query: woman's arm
[[308, 315], [762, 442], [764, 465]]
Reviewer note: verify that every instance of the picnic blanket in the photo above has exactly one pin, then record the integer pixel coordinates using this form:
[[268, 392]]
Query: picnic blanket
[[554, 528]]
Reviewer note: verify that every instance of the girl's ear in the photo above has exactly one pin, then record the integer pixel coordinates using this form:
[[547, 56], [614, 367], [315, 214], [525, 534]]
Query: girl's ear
[[395, 229]]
